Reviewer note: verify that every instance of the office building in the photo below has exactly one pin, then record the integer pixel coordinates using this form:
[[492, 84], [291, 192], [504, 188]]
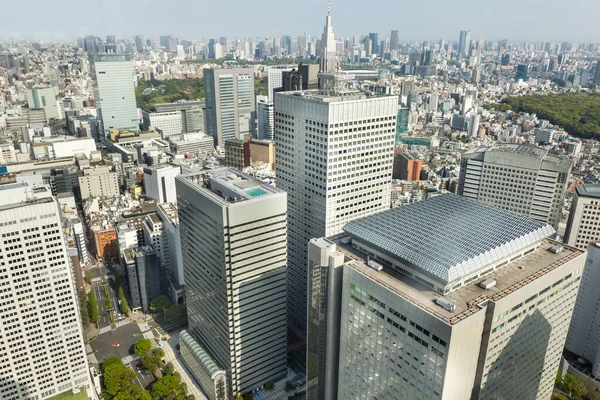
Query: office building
[[373, 37], [45, 98], [230, 108], [99, 181], [521, 72], [42, 345], [168, 214], [474, 309], [597, 75], [237, 153], [394, 40], [275, 79], [328, 61], [194, 143], [234, 248], [337, 177], [112, 76], [141, 267], [464, 43], [584, 332], [159, 182], [309, 73], [519, 178], [262, 152], [166, 123], [582, 226], [265, 116], [407, 167], [172, 119], [139, 43]]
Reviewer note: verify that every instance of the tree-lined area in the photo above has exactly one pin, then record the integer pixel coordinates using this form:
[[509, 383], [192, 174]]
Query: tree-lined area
[[578, 113], [168, 91]]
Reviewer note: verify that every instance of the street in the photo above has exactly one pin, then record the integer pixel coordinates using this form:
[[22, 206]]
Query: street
[[98, 288]]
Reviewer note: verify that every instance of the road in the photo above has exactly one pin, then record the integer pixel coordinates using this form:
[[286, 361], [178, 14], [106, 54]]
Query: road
[[98, 288]]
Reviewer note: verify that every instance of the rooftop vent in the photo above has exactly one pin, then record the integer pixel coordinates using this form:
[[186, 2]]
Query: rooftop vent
[[445, 304], [556, 249], [488, 284]]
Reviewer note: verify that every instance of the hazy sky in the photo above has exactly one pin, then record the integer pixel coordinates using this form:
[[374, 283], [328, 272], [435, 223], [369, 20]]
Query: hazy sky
[[533, 20]]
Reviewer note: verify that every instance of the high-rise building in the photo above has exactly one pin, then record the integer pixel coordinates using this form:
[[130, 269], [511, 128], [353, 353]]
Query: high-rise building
[[337, 177], [375, 42], [597, 75], [584, 332], [139, 43], [99, 181], [141, 267], [113, 91], [275, 79], [582, 226], [45, 98], [159, 182], [265, 118], [521, 72], [234, 248], [327, 51], [168, 214], [230, 108], [446, 298], [519, 178], [394, 40], [42, 346], [407, 167], [191, 115], [464, 43]]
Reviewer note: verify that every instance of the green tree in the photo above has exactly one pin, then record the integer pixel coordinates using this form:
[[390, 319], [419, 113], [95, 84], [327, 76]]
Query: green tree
[[169, 368], [142, 347], [83, 307], [158, 353], [124, 303], [568, 383], [117, 377], [579, 390], [88, 277], [160, 303], [132, 392], [166, 387], [558, 396], [93, 307]]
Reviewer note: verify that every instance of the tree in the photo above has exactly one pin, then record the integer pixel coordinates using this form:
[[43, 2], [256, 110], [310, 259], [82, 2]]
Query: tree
[[169, 368], [142, 347], [160, 303], [93, 307], [579, 390], [158, 353], [558, 396], [133, 392], [117, 377], [83, 307], [568, 383], [238, 397], [88, 277], [166, 386], [124, 303]]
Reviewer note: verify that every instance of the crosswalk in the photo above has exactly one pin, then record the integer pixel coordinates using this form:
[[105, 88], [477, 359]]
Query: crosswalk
[[129, 359]]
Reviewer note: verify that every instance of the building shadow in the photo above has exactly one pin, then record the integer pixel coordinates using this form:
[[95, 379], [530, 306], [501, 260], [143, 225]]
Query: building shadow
[[518, 370]]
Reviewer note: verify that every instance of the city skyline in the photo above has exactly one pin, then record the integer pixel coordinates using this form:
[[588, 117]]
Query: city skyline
[[445, 23]]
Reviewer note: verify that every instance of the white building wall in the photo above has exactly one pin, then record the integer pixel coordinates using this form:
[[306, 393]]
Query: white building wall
[[70, 148], [160, 183]]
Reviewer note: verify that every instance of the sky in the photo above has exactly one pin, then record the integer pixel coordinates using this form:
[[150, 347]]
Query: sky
[[516, 20]]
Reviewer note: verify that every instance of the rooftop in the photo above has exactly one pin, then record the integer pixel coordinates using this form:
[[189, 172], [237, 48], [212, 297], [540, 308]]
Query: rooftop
[[508, 279], [449, 237], [587, 190]]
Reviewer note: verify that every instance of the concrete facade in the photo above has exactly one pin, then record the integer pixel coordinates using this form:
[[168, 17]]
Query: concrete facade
[[582, 226]]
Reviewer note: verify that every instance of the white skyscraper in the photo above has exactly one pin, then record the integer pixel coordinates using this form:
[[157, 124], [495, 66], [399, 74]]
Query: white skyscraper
[[265, 117], [42, 351], [113, 91], [464, 43], [334, 159], [327, 50]]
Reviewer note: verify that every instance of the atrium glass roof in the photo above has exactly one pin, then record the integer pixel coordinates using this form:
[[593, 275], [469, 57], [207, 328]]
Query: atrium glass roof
[[449, 236]]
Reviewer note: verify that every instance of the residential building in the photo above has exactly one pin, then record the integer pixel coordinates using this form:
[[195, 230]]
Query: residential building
[[159, 182], [413, 308], [43, 352], [45, 98], [99, 181], [230, 108], [237, 153], [584, 332], [519, 178], [336, 177], [582, 225], [407, 167], [112, 76], [234, 247], [106, 243]]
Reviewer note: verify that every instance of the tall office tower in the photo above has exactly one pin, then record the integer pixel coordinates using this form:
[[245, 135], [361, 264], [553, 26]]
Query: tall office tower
[[113, 91], [521, 72], [42, 345], [344, 171], [139, 43], [464, 43], [519, 178], [275, 79], [266, 115], [447, 298], [597, 75], [582, 226], [394, 40], [159, 182], [230, 108], [143, 276], [327, 51], [174, 118], [168, 214], [375, 42], [584, 332], [234, 248]]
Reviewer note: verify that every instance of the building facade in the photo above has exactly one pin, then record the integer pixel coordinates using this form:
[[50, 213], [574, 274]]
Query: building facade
[[99, 182], [582, 225], [407, 167], [237, 153], [265, 118], [42, 345], [159, 182], [167, 123], [230, 103], [234, 249], [344, 171], [461, 321], [519, 178], [45, 98], [114, 92]]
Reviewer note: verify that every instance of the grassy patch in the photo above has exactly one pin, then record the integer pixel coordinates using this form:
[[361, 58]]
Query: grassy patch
[[82, 395]]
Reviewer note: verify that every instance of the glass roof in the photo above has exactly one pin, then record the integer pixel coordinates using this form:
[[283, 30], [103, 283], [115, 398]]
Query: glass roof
[[207, 362], [449, 236]]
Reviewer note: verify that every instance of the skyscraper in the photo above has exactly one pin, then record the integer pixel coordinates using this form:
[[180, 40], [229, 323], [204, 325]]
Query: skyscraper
[[375, 42], [113, 91], [139, 43], [230, 108], [394, 40], [464, 43], [327, 51], [519, 178], [597, 75], [234, 250], [483, 315], [343, 172], [42, 345], [521, 72], [584, 217]]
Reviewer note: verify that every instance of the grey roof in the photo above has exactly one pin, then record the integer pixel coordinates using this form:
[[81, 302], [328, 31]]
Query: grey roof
[[449, 236], [588, 190]]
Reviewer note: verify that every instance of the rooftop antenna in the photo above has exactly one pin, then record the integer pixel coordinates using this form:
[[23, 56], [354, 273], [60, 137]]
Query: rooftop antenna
[[328, 7]]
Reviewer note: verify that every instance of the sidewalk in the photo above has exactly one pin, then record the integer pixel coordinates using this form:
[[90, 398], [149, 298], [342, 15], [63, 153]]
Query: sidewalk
[[171, 355]]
